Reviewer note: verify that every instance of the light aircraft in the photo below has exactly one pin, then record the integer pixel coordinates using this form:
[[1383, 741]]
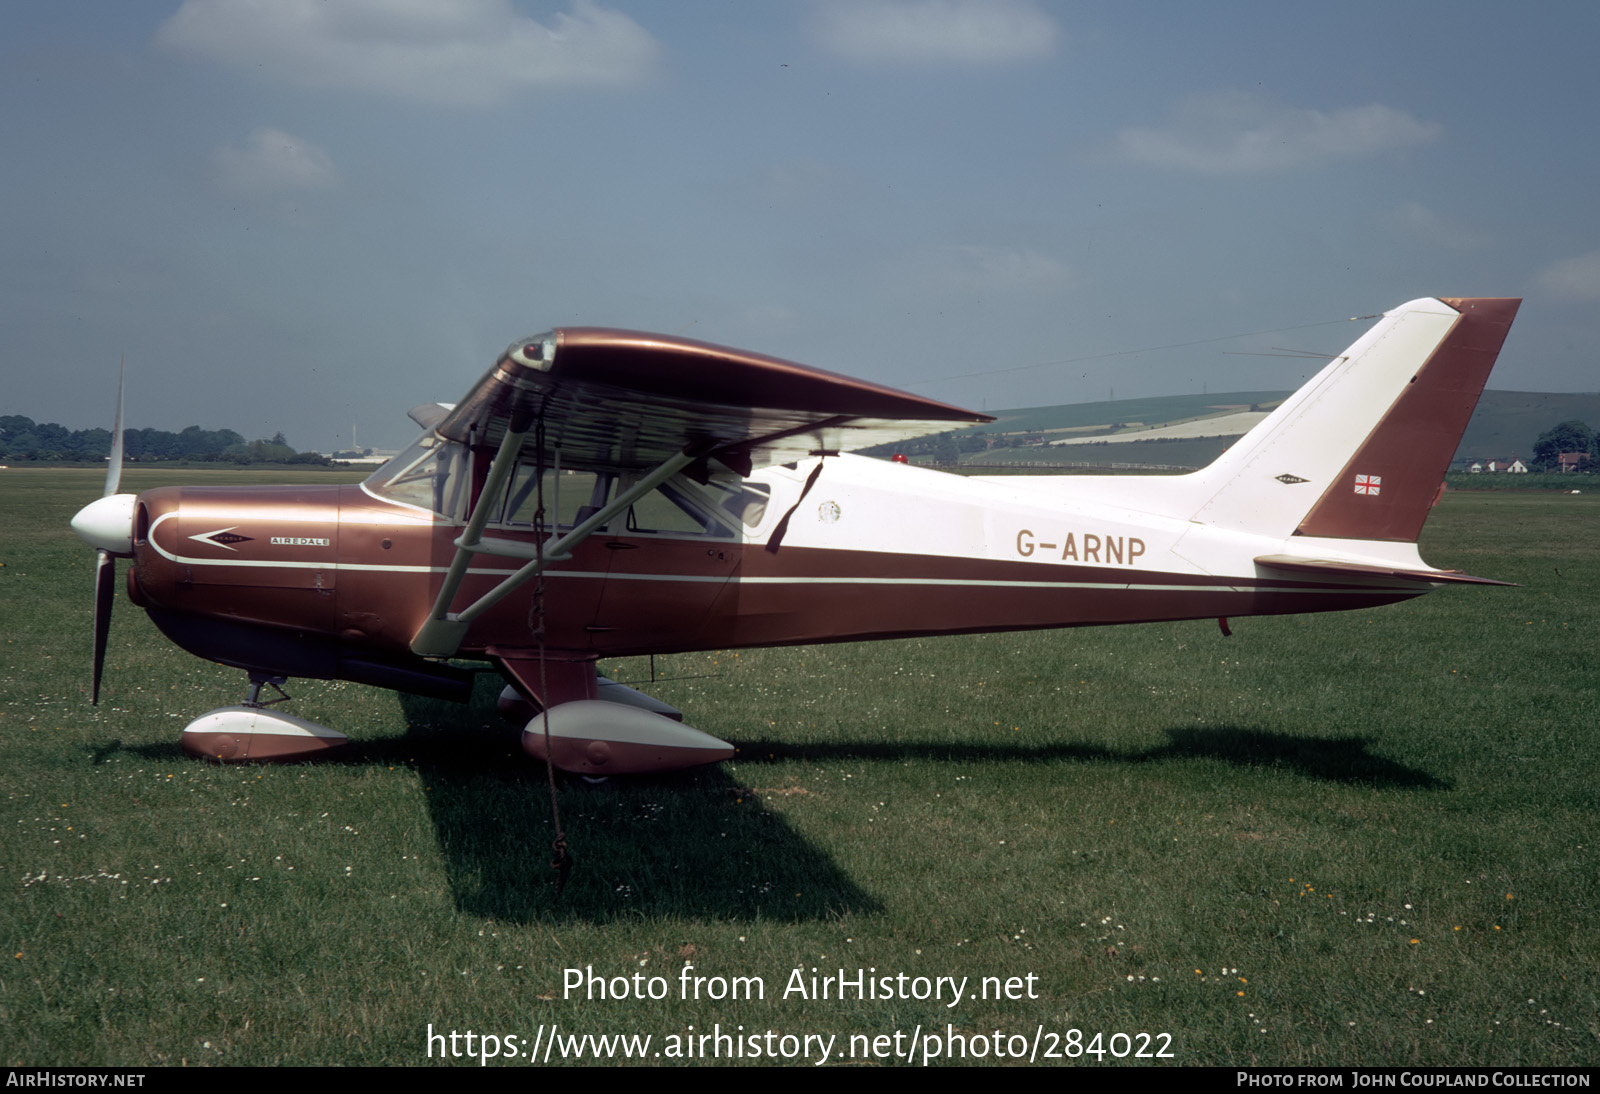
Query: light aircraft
[[604, 493]]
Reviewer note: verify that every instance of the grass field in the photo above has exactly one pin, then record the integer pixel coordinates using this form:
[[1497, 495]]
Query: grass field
[[1362, 838]]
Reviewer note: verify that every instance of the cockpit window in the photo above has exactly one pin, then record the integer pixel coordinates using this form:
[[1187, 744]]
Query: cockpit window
[[428, 475]]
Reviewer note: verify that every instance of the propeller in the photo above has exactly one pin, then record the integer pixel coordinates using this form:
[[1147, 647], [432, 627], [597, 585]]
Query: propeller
[[107, 525], [105, 589], [114, 464]]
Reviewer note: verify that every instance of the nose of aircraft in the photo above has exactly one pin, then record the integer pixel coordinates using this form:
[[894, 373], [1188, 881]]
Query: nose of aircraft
[[107, 524]]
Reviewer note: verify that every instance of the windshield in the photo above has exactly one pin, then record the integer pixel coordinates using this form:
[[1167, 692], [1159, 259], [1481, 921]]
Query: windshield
[[428, 475]]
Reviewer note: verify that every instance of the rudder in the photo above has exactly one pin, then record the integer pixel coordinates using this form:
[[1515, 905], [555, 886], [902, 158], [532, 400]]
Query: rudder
[[1385, 490]]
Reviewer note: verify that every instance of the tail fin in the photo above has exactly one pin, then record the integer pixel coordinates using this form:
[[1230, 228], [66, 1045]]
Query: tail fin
[[1360, 451]]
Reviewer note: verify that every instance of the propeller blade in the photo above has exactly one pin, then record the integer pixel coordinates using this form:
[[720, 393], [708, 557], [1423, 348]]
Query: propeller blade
[[105, 585], [114, 464]]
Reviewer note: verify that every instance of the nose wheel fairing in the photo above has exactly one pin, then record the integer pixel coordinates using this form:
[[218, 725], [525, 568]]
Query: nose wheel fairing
[[251, 732], [245, 734]]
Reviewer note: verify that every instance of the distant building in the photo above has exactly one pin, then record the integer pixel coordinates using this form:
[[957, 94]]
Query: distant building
[[1571, 461], [1512, 466]]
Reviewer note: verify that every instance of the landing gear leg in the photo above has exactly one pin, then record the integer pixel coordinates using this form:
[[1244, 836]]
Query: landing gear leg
[[257, 682]]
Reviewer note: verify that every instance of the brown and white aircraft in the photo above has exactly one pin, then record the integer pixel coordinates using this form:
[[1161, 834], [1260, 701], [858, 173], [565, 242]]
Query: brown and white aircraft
[[604, 493]]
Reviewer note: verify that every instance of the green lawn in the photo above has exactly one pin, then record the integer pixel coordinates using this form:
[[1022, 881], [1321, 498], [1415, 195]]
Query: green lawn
[[1362, 838]]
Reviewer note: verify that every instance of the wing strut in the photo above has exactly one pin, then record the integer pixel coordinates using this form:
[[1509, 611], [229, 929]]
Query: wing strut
[[441, 634]]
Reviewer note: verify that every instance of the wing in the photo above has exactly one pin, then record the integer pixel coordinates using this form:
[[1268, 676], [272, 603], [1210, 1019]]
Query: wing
[[623, 400], [650, 406]]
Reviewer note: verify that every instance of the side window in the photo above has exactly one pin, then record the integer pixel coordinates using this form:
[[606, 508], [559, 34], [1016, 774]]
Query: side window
[[570, 497], [671, 509], [678, 507]]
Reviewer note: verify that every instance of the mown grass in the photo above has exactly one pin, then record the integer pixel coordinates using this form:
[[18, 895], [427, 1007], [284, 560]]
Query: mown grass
[[1359, 838]]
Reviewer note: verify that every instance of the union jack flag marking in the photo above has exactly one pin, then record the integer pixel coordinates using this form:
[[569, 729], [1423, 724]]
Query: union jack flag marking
[[1368, 484]]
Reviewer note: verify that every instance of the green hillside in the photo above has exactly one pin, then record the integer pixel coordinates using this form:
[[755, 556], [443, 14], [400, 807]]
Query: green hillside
[[1506, 423], [1187, 453], [1153, 411]]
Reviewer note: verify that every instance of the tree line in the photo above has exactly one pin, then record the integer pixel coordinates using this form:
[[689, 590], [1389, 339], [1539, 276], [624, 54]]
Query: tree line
[[46, 442], [1569, 436]]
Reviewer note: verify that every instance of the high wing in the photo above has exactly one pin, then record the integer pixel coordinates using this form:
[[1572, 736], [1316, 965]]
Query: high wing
[[647, 406], [624, 400]]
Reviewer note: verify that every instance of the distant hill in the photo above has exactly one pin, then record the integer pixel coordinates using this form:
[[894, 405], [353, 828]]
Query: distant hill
[[1154, 411], [1166, 454], [1506, 423]]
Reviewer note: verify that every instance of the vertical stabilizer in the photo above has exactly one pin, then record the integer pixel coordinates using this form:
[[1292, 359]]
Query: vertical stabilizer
[[1360, 451], [1388, 485]]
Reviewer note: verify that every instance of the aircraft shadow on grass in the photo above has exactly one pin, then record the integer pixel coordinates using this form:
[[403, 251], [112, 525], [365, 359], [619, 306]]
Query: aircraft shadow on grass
[[690, 843], [1331, 759], [699, 844]]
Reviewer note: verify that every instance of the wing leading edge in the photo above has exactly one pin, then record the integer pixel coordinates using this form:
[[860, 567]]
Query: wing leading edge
[[623, 400]]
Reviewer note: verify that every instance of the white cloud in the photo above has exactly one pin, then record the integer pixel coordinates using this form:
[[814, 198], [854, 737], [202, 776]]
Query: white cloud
[[992, 271], [1238, 133], [965, 32], [449, 52], [1573, 278], [1422, 223], [272, 162]]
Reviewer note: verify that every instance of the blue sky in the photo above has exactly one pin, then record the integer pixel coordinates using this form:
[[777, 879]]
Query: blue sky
[[308, 215]]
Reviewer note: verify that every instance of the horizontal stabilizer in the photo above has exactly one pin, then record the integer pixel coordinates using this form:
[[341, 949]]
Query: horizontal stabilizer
[[1358, 569], [428, 415]]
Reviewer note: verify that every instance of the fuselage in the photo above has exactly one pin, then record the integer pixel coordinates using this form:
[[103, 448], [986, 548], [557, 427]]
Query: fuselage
[[334, 581]]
